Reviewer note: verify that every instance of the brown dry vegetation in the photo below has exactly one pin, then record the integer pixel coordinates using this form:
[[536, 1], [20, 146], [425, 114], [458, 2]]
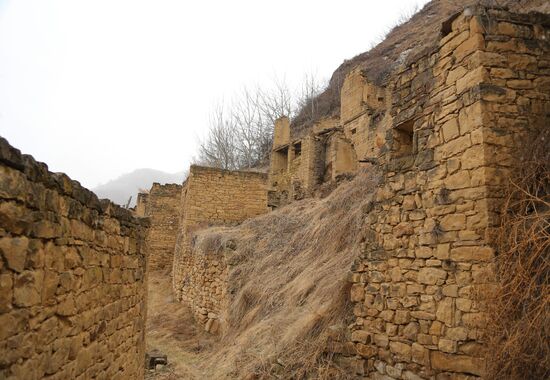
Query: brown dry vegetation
[[519, 329], [288, 285], [172, 330]]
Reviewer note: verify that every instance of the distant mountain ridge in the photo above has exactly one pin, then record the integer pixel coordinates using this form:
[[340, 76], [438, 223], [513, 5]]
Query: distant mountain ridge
[[120, 189]]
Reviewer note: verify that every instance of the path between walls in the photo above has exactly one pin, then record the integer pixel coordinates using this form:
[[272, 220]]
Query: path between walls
[[172, 330]]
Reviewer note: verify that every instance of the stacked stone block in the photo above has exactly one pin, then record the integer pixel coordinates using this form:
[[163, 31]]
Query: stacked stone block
[[72, 278], [457, 116], [211, 197], [162, 208]]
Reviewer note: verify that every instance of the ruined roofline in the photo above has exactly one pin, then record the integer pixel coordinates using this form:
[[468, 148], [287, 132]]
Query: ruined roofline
[[199, 168], [166, 185], [36, 171]]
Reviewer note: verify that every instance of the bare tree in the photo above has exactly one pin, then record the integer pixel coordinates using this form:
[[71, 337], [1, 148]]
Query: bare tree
[[275, 102], [248, 129], [218, 148], [240, 136]]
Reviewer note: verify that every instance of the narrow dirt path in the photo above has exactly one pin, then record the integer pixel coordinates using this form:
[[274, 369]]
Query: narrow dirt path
[[172, 330]]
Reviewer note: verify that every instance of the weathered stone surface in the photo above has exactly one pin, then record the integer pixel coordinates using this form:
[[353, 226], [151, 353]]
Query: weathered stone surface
[[472, 254], [448, 152], [52, 298], [457, 363], [14, 251], [211, 196], [161, 206], [431, 276], [401, 350], [361, 336]]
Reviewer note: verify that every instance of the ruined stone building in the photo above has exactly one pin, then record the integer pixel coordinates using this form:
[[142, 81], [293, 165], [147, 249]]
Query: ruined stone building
[[443, 130], [161, 206], [299, 165], [211, 197]]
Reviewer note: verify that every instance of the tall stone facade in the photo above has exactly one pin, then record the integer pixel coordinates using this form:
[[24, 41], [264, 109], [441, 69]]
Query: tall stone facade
[[451, 123], [299, 164], [72, 278], [211, 197], [161, 205]]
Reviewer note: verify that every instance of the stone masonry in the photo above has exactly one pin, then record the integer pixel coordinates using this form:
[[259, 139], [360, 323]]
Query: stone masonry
[[453, 120], [299, 165], [211, 197], [72, 278], [162, 207]]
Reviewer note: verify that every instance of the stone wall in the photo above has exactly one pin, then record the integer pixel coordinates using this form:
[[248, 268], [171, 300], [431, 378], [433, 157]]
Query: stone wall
[[298, 167], [162, 208], [72, 278], [141, 204], [211, 197], [457, 116]]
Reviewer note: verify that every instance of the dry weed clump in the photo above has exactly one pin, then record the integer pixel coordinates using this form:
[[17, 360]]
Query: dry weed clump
[[287, 285], [519, 327]]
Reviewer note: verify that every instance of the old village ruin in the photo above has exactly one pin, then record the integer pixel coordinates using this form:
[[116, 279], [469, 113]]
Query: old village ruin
[[438, 136]]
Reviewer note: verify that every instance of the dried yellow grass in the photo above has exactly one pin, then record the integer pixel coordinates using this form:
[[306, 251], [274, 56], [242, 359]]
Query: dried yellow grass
[[519, 327], [288, 289]]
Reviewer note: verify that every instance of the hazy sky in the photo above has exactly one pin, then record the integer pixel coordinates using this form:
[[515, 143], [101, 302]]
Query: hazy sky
[[98, 88]]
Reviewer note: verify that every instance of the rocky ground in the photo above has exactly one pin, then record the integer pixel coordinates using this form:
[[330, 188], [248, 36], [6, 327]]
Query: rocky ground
[[172, 330]]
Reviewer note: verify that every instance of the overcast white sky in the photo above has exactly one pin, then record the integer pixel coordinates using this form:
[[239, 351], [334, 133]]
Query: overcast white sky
[[98, 88]]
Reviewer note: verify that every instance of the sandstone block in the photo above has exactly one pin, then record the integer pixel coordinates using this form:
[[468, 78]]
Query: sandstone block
[[445, 311], [431, 276], [6, 292], [450, 130], [27, 288], [14, 251], [460, 180], [401, 317], [466, 253], [423, 252], [453, 222], [447, 345], [420, 354], [410, 331], [361, 336], [381, 340], [463, 304], [401, 350], [366, 351], [457, 363], [394, 372], [357, 293]]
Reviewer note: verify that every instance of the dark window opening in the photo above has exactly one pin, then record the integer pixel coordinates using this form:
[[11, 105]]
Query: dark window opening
[[297, 149], [403, 139], [353, 131], [280, 160]]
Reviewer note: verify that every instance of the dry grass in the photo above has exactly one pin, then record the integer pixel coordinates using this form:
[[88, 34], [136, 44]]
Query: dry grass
[[288, 290], [519, 331], [172, 330]]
